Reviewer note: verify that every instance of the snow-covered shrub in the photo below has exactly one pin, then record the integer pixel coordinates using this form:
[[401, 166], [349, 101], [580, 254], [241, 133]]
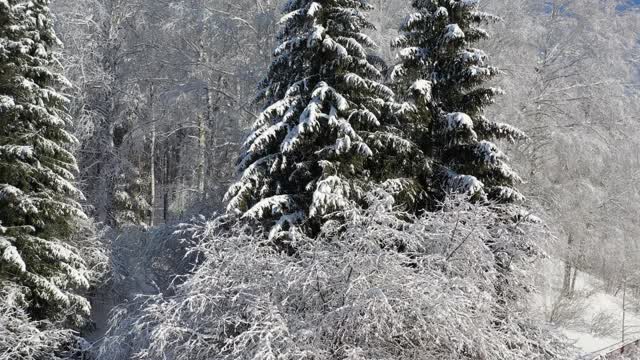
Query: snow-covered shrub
[[567, 310], [141, 262], [92, 244], [24, 339], [451, 284], [604, 323], [145, 261]]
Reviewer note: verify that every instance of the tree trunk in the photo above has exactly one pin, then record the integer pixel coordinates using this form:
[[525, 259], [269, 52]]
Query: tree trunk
[[152, 155], [166, 184], [568, 267], [215, 166], [566, 281], [202, 137], [572, 289]]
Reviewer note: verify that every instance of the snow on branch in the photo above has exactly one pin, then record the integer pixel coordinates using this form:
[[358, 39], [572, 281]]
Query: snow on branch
[[413, 19], [453, 32], [291, 15], [22, 338], [463, 184], [461, 122], [331, 194], [314, 7], [423, 89], [10, 255], [499, 130], [274, 205], [506, 194], [489, 153]]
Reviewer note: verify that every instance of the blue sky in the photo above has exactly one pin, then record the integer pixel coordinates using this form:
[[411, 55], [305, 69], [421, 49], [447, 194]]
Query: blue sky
[[633, 3]]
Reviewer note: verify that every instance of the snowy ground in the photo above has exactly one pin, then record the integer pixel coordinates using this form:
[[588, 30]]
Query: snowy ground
[[593, 301]]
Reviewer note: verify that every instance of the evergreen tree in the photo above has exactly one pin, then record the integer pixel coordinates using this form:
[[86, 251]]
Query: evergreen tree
[[38, 201], [130, 205], [441, 80], [311, 149]]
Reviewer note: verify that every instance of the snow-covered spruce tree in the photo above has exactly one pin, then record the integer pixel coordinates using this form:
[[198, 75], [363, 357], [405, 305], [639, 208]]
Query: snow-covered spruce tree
[[129, 203], [38, 201], [22, 338], [311, 149], [441, 80]]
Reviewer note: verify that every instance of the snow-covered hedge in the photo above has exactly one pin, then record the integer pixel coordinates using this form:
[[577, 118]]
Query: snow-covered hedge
[[387, 285]]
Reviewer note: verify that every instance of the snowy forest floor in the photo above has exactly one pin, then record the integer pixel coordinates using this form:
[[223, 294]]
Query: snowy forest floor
[[593, 319]]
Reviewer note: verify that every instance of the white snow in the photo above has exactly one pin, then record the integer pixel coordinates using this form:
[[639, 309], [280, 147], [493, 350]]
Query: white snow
[[6, 102], [323, 91], [489, 152], [9, 191], [366, 116], [469, 2], [355, 81], [290, 16], [397, 186], [453, 32], [458, 120], [41, 51], [485, 16], [599, 302], [290, 219], [332, 45], [308, 121], [343, 145], [423, 87], [266, 137], [332, 193], [508, 193], [23, 152], [474, 71], [397, 72], [358, 48], [344, 128], [49, 291], [278, 108], [10, 254], [257, 168], [316, 35], [464, 183], [235, 195], [362, 149], [412, 19], [314, 7], [475, 56], [441, 12], [277, 204], [406, 108], [412, 52]]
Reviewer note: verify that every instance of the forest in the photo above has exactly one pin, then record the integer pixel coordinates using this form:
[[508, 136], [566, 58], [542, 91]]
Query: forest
[[319, 179]]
